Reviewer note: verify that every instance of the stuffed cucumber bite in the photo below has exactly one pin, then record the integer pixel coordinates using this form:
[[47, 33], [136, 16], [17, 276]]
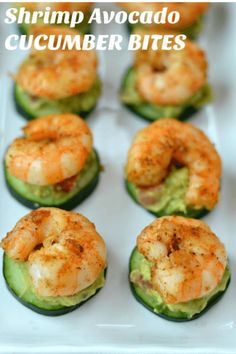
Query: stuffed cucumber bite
[[166, 83], [85, 7], [179, 268], [190, 22], [54, 164], [63, 80], [173, 169], [54, 260]]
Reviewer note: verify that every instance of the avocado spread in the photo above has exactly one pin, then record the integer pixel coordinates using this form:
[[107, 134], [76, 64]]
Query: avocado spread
[[131, 97], [168, 197], [19, 280], [54, 194], [38, 106], [141, 269]]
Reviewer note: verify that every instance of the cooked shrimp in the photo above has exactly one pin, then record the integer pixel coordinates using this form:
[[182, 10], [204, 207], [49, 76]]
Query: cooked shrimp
[[65, 254], [54, 148], [166, 141], [189, 12], [58, 6], [59, 73], [170, 77], [187, 259]]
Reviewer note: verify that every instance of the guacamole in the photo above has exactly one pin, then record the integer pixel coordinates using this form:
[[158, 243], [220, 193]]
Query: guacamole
[[141, 268]]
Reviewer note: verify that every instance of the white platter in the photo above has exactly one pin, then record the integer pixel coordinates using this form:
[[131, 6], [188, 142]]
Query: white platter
[[113, 322]]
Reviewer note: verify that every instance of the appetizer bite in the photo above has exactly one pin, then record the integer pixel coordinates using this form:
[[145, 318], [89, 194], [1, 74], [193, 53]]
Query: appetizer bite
[[63, 80], [54, 164], [166, 83], [173, 168], [190, 21], [54, 261], [85, 7], [179, 268]]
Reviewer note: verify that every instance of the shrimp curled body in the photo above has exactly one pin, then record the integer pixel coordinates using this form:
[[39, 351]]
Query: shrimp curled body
[[170, 77], [188, 260], [56, 74], [160, 144], [72, 253], [54, 148]]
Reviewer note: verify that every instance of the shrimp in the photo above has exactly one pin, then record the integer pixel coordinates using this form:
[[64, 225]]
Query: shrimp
[[189, 12], [58, 6], [55, 147], [59, 73], [65, 254], [187, 259], [170, 77], [166, 141]]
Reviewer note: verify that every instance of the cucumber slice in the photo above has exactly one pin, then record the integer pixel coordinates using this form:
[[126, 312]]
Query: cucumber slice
[[168, 198], [131, 99], [83, 27], [178, 312], [192, 32], [51, 196], [19, 284], [32, 107]]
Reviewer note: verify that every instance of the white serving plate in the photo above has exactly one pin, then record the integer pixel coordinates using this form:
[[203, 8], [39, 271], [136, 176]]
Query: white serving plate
[[113, 321]]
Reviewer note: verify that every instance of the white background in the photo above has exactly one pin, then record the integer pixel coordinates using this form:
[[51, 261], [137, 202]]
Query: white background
[[113, 322]]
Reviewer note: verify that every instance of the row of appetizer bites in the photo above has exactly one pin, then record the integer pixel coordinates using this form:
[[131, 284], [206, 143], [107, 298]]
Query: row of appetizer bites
[[55, 260], [161, 83], [172, 167], [165, 172], [85, 7]]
